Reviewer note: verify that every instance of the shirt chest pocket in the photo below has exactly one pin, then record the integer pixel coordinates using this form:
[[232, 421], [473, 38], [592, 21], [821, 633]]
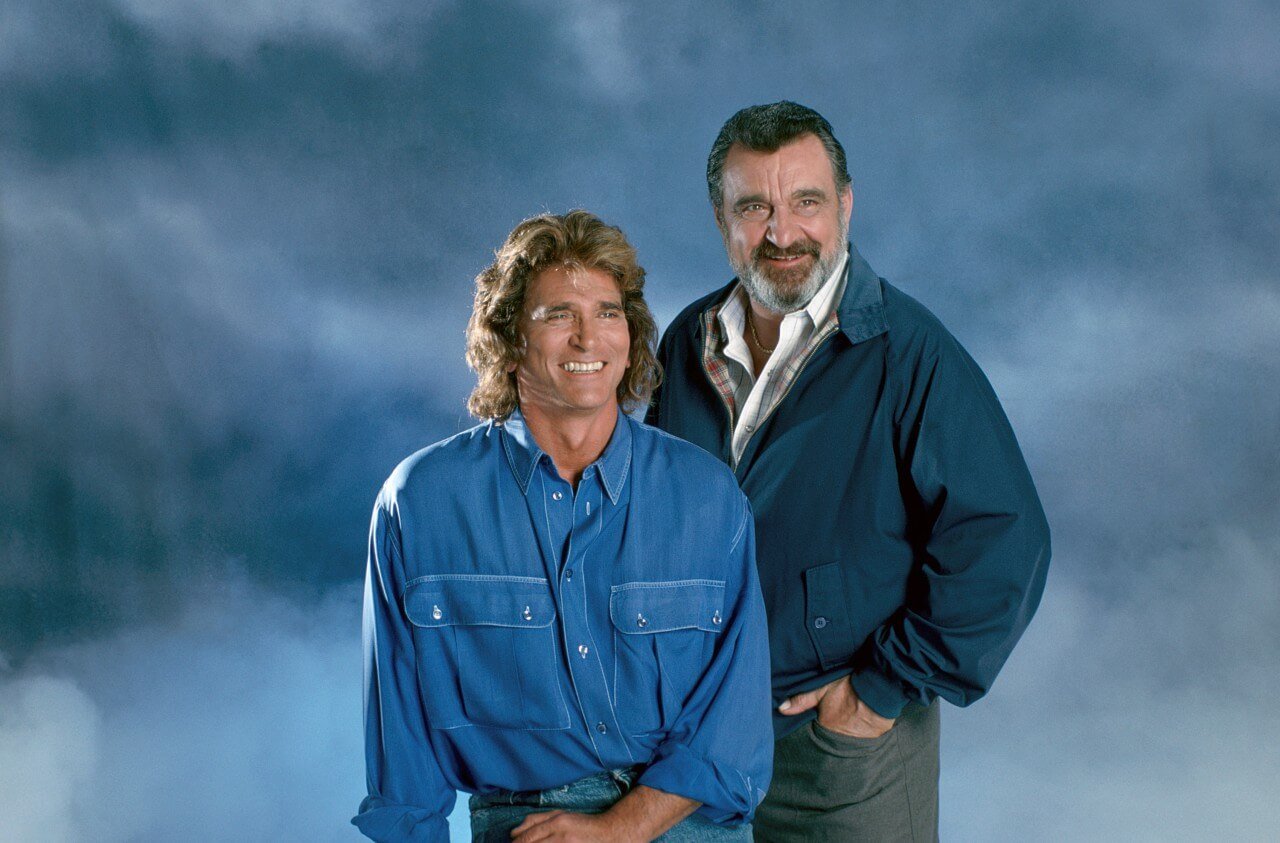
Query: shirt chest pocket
[[487, 651], [664, 637]]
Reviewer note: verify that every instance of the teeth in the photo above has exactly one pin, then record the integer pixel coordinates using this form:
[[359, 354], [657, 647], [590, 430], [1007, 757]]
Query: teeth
[[583, 367]]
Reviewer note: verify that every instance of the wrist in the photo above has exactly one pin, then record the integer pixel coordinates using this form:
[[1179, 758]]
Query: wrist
[[617, 824]]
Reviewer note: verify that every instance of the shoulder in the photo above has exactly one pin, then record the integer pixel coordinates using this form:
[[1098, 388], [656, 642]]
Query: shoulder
[[915, 334], [449, 459], [700, 503], [682, 469]]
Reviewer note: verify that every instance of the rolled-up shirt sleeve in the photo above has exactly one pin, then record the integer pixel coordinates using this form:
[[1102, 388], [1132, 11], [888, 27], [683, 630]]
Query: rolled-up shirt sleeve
[[409, 799], [720, 749], [984, 536]]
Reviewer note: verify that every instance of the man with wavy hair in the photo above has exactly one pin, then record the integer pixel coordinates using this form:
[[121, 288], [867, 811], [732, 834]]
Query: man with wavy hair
[[562, 615]]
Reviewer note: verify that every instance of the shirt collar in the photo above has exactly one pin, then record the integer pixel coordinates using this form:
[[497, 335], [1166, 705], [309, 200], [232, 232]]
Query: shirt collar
[[524, 453]]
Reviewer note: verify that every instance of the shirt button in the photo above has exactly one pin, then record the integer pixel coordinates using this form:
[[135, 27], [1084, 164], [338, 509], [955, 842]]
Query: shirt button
[[819, 623], [583, 649], [555, 496], [436, 613], [642, 621], [601, 728], [568, 573], [527, 614], [715, 619]]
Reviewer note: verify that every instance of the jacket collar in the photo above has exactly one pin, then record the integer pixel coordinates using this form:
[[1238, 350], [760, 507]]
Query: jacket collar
[[524, 453], [861, 309]]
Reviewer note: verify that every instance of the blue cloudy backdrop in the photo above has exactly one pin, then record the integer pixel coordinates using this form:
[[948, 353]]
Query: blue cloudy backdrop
[[236, 247]]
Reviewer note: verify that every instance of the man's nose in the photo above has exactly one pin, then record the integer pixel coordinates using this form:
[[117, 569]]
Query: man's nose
[[585, 335], [784, 227]]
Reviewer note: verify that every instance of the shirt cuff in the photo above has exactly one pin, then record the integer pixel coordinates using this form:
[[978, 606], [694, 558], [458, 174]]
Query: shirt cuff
[[383, 821], [727, 796], [881, 693]]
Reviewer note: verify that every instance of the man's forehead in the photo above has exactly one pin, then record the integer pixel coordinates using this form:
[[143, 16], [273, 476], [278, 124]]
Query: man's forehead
[[802, 162], [565, 283]]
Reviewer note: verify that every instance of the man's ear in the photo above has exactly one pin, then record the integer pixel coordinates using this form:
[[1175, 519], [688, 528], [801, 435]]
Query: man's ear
[[846, 203], [718, 213]]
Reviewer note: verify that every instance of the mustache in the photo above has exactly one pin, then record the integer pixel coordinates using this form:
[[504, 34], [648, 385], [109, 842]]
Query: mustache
[[767, 250]]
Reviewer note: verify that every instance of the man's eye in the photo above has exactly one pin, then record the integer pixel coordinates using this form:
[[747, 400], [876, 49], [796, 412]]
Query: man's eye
[[610, 314], [808, 207]]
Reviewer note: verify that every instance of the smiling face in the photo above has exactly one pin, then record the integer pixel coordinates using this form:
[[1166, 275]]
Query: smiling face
[[576, 344], [783, 220]]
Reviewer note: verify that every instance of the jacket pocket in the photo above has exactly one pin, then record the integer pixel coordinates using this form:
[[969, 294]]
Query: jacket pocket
[[494, 636], [664, 634], [826, 615]]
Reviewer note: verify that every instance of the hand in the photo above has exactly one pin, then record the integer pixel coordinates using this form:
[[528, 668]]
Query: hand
[[839, 709], [566, 826]]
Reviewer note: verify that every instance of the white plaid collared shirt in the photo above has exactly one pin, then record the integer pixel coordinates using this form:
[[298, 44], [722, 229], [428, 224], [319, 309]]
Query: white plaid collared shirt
[[727, 359]]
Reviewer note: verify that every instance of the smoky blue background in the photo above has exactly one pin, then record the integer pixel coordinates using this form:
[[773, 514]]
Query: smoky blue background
[[236, 250]]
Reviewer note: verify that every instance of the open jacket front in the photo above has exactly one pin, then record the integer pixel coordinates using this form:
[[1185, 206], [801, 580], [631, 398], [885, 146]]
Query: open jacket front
[[900, 539]]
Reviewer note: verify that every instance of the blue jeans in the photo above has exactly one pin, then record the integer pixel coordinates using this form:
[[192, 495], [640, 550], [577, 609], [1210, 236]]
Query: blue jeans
[[494, 815]]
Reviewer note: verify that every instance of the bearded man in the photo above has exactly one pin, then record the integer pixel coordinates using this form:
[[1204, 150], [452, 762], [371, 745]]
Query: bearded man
[[901, 546]]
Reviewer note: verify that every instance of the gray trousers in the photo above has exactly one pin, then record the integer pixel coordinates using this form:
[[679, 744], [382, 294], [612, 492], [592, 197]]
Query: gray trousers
[[832, 787]]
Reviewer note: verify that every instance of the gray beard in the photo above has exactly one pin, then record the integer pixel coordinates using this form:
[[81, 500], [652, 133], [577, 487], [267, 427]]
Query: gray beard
[[777, 300]]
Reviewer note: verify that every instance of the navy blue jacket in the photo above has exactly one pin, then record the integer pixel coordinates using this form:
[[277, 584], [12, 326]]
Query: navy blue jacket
[[900, 540]]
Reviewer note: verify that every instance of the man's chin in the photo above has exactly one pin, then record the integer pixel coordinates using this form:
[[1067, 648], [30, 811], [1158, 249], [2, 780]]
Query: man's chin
[[785, 291]]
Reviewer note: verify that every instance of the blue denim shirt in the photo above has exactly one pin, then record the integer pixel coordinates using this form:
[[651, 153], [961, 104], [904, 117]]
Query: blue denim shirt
[[520, 636]]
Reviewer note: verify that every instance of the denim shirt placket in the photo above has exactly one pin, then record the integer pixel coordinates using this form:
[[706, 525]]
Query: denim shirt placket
[[573, 520]]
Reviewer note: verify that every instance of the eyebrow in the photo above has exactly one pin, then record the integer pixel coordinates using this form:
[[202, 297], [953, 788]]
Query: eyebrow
[[809, 193], [560, 307]]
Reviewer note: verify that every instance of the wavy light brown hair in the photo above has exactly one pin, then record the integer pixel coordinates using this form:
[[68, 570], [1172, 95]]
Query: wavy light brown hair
[[577, 240]]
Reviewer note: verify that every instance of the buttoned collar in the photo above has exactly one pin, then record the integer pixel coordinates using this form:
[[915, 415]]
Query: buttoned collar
[[524, 454]]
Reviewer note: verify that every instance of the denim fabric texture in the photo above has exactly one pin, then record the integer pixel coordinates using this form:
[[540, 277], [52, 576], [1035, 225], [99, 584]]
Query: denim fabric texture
[[494, 815], [520, 633]]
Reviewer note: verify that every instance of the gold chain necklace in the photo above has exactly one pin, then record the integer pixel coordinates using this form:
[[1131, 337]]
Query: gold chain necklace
[[751, 323]]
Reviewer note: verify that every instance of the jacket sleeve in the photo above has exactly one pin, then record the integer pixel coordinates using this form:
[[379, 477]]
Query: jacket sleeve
[[409, 799], [720, 749], [981, 538]]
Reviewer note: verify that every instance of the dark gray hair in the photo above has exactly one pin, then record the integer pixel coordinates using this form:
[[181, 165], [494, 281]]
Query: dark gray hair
[[767, 128]]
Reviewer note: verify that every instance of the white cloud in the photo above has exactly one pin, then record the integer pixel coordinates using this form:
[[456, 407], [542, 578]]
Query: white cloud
[[42, 39], [236, 28], [238, 720], [50, 733], [597, 32], [1147, 715], [133, 265]]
